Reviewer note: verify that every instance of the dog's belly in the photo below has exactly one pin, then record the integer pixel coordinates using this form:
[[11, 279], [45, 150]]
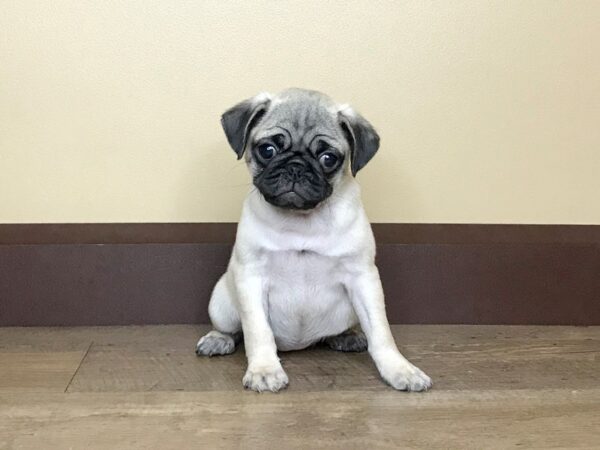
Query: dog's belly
[[306, 299]]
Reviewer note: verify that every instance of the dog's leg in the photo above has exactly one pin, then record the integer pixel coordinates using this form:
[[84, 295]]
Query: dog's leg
[[348, 341], [366, 294], [264, 371], [226, 321]]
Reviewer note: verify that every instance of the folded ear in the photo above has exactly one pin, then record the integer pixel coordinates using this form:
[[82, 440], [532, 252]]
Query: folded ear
[[363, 139], [238, 120]]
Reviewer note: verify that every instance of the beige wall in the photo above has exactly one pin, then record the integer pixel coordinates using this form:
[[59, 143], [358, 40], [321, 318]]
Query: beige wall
[[488, 111]]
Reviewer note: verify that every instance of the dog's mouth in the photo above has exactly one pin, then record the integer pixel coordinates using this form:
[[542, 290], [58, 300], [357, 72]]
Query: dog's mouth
[[292, 200]]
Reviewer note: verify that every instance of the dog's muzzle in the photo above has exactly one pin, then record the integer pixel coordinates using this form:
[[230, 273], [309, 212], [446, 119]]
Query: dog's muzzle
[[295, 183]]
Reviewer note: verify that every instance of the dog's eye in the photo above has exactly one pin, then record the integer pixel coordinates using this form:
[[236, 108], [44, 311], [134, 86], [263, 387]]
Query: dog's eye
[[266, 151], [328, 160]]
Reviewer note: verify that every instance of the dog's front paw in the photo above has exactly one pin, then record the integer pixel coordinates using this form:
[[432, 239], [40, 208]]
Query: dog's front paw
[[406, 377], [265, 378]]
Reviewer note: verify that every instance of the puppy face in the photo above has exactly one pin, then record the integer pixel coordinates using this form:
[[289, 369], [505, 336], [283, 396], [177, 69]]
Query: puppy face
[[298, 145]]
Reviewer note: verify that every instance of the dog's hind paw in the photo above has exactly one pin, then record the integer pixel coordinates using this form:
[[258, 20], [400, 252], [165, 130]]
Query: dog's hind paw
[[348, 341], [215, 343]]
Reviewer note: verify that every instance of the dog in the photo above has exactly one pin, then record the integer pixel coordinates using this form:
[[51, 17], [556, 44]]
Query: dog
[[302, 269]]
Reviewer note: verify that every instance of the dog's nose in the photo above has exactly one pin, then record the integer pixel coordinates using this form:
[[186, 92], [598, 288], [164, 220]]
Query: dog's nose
[[296, 171]]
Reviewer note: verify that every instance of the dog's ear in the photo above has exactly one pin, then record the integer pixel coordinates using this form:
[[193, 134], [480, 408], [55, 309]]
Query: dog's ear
[[238, 120], [362, 137]]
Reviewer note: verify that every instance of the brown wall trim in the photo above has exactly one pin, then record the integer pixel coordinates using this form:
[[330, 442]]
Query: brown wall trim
[[385, 233], [163, 273]]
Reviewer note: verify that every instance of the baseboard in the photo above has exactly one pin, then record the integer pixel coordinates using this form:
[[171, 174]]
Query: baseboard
[[118, 274]]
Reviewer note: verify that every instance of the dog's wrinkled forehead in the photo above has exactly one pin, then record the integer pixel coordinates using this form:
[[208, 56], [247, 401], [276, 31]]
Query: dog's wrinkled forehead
[[300, 115]]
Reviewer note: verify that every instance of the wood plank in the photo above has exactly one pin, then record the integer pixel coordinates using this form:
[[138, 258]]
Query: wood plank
[[496, 387], [545, 419], [175, 336], [37, 371], [457, 357], [46, 339], [40, 359]]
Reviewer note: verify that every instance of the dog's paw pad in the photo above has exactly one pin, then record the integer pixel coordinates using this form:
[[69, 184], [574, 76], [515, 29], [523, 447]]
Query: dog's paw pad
[[215, 343], [350, 341], [265, 379]]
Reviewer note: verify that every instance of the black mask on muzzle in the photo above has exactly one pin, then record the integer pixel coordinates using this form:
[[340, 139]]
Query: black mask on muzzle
[[293, 180]]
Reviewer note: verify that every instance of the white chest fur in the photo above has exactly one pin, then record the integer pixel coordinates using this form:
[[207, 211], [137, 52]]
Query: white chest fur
[[305, 298], [303, 262]]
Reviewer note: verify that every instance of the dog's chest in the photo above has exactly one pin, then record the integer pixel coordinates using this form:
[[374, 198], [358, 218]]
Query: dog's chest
[[306, 298]]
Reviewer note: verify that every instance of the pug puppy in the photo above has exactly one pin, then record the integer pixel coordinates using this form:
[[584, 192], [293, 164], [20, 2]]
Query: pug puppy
[[302, 269]]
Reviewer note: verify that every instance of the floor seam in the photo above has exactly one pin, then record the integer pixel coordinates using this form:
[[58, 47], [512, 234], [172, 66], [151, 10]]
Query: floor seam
[[79, 366]]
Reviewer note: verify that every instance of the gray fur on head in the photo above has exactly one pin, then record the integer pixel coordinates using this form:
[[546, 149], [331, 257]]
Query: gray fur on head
[[298, 144]]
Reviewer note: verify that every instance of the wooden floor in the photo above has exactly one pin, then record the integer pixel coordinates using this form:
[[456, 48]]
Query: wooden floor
[[143, 387]]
